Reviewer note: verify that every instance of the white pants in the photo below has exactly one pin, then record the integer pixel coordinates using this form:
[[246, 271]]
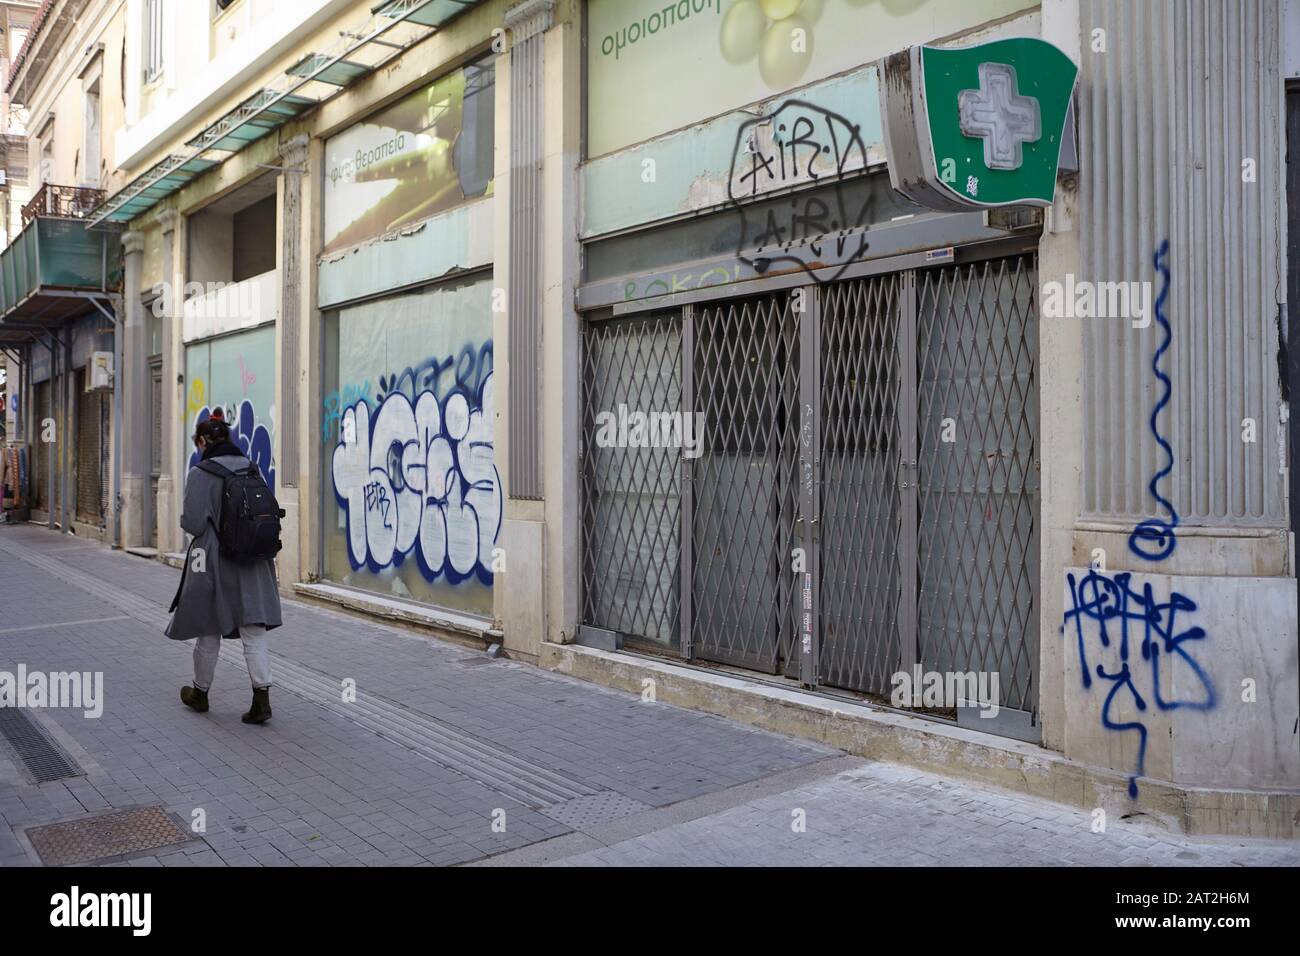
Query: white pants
[[257, 655]]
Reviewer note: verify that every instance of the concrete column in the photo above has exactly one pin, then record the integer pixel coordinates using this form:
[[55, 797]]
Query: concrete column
[[527, 23], [293, 267], [312, 463], [134, 376], [68, 430], [1060, 344], [535, 254], [52, 446], [171, 479], [561, 369]]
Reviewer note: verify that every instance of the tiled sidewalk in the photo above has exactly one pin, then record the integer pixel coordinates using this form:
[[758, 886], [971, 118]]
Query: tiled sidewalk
[[886, 815], [441, 744], [312, 786]]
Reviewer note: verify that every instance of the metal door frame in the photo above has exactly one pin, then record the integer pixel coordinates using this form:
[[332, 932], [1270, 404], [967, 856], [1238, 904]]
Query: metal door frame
[[908, 476], [810, 483]]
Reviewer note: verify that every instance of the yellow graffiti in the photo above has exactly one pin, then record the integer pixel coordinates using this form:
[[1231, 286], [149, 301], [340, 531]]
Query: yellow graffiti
[[196, 402]]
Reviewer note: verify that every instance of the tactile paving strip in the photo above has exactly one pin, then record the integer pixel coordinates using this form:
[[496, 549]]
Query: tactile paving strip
[[492, 765], [105, 836], [588, 811]]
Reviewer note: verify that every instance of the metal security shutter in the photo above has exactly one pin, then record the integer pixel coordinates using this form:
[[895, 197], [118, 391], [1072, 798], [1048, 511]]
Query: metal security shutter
[[40, 451], [89, 452], [865, 499], [744, 488], [862, 431], [632, 501], [977, 343], [105, 456]]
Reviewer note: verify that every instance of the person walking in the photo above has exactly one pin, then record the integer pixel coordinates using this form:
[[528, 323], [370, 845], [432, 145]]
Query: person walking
[[228, 587]]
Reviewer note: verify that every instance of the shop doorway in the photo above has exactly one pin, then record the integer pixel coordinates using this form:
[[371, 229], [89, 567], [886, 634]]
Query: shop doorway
[[92, 453], [864, 498]]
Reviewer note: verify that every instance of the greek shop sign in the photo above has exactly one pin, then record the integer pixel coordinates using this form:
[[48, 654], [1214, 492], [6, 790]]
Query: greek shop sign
[[978, 126], [428, 152], [347, 167], [659, 65], [669, 16]]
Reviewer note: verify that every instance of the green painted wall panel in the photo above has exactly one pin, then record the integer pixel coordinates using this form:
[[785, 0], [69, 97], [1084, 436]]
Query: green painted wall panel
[[692, 166]]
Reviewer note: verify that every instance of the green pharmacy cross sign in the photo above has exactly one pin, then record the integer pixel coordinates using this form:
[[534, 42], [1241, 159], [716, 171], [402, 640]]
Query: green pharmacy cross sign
[[978, 126]]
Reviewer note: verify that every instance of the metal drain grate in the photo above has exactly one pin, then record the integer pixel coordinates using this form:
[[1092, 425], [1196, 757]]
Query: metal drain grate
[[106, 836], [45, 759]]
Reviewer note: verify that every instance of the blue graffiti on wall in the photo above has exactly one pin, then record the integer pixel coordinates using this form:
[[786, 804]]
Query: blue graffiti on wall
[[335, 402], [1123, 615], [419, 474], [252, 437], [466, 371], [1154, 539]]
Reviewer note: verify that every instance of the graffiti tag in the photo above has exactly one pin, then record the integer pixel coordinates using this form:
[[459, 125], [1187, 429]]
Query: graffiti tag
[[799, 144], [419, 475], [1107, 610]]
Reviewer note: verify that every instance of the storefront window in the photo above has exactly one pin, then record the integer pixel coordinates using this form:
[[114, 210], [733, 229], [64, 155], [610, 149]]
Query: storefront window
[[426, 153], [237, 374], [411, 503]]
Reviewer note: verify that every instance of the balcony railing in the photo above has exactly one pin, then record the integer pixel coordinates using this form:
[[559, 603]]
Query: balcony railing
[[68, 202]]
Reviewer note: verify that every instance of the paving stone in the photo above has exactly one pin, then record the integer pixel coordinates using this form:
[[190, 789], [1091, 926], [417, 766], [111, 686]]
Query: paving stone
[[313, 787]]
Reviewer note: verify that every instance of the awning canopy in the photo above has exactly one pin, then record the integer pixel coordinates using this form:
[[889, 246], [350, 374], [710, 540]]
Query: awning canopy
[[55, 270], [394, 26]]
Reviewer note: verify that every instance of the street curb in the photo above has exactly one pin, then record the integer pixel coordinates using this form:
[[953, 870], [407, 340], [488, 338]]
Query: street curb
[[879, 734]]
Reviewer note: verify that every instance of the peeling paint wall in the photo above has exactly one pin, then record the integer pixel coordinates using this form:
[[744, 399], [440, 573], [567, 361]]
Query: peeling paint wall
[[452, 242]]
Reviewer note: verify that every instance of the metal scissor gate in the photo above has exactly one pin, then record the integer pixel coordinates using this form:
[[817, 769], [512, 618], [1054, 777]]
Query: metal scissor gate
[[863, 497]]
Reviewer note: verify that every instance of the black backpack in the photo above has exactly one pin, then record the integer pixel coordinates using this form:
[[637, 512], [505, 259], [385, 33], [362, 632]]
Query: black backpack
[[250, 516]]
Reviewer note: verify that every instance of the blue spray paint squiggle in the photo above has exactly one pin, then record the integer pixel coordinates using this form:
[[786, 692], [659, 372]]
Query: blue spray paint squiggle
[[1113, 603], [1154, 539]]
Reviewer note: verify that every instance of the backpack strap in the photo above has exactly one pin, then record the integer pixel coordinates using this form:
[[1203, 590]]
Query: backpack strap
[[212, 468], [221, 472]]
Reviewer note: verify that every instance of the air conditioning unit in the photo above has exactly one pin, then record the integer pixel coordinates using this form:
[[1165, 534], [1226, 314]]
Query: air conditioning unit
[[99, 372]]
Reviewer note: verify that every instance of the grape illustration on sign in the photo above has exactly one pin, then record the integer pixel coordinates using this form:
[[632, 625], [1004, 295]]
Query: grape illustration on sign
[[979, 126]]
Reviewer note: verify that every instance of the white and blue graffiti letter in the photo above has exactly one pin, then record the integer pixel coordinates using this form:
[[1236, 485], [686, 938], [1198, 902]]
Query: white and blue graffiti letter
[[252, 437], [420, 475]]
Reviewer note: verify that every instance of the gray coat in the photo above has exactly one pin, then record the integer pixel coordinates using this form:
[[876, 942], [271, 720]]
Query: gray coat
[[226, 593]]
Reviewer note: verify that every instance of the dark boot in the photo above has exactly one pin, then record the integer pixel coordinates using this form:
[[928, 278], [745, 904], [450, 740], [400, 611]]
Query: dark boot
[[260, 712], [195, 699]]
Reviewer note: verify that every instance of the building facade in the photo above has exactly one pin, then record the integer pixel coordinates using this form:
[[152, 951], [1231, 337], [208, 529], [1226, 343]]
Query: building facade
[[64, 92], [608, 323]]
